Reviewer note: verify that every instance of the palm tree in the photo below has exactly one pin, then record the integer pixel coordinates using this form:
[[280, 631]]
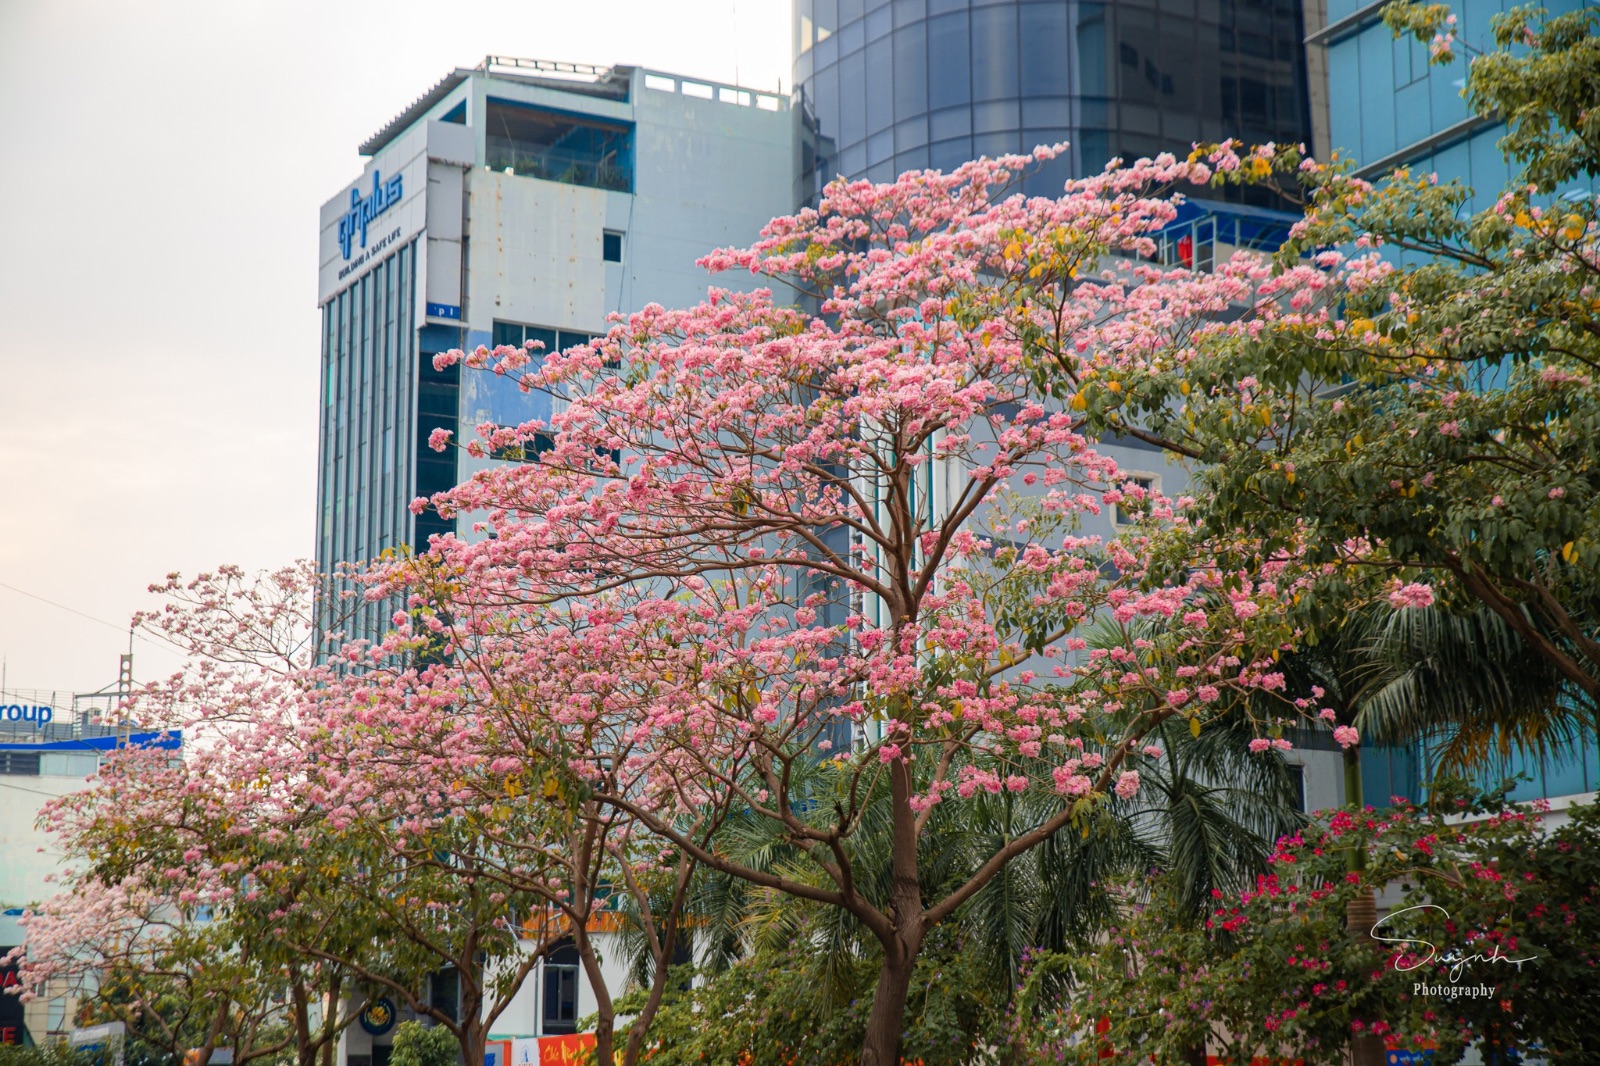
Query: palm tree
[[1468, 685], [1215, 808]]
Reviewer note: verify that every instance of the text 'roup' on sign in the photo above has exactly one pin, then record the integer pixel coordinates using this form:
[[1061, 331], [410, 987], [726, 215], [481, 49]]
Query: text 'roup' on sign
[[363, 209], [23, 712]]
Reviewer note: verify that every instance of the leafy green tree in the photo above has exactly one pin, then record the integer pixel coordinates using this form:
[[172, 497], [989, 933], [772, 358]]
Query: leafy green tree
[[1412, 409], [416, 1044], [791, 981], [55, 1053]]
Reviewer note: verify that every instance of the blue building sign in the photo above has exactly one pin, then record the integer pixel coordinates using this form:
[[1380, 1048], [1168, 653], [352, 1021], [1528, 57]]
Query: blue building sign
[[22, 712], [363, 209]]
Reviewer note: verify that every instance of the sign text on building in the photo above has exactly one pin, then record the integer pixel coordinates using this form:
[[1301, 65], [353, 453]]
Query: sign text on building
[[22, 712], [363, 209]]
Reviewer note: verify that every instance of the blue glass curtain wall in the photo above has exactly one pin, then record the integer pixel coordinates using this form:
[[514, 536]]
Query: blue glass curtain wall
[[893, 85], [368, 379]]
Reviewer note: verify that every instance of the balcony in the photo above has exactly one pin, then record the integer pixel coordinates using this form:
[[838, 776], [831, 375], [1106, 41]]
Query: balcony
[[1207, 233], [553, 146]]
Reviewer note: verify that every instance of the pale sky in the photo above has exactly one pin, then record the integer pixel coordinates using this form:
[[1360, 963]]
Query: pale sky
[[161, 167]]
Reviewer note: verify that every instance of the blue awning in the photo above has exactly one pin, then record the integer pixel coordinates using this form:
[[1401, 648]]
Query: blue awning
[[168, 740]]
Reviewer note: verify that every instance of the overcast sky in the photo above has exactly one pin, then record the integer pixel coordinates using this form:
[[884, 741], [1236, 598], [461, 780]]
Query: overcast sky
[[161, 167]]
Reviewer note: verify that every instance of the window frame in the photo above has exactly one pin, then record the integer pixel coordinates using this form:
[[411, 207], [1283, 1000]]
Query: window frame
[[1138, 477]]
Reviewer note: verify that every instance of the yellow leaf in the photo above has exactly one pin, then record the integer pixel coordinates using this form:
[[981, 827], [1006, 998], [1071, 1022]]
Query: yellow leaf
[[1013, 250], [1569, 552], [1194, 727], [1114, 386], [1079, 403]]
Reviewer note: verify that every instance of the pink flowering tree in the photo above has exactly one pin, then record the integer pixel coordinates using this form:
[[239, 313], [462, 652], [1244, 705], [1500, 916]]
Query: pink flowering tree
[[167, 915], [125, 951], [780, 565], [452, 764], [278, 871]]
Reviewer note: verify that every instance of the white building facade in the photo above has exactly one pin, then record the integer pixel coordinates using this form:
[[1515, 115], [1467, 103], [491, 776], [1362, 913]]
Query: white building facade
[[515, 200]]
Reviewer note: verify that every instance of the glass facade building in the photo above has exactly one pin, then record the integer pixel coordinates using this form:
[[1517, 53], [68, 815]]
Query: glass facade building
[[1392, 109], [368, 425], [894, 85]]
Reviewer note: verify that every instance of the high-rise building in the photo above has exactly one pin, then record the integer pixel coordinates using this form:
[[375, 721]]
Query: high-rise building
[[1389, 108], [515, 200], [894, 85]]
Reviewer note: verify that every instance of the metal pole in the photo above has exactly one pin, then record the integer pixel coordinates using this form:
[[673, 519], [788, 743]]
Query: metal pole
[[124, 694]]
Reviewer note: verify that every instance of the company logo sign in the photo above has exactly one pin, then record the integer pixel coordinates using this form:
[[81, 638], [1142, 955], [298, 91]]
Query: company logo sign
[[22, 712], [378, 1017], [363, 209]]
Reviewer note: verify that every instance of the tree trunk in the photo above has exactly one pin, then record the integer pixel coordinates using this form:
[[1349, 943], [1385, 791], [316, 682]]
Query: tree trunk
[[882, 1044], [472, 1039], [1361, 914], [473, 1032], [605, 1013], [658, 989], [903, 940]]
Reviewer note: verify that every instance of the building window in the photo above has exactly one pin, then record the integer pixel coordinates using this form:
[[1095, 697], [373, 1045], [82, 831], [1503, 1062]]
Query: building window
[[445, 994], [558, 146], [19, 762], [554, 340], [611, 246], [1150, 483], [561, 990], [1297, 781]]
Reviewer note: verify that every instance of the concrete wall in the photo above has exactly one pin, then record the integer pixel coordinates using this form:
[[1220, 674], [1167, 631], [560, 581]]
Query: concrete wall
[[707, 174], [534, 252]]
